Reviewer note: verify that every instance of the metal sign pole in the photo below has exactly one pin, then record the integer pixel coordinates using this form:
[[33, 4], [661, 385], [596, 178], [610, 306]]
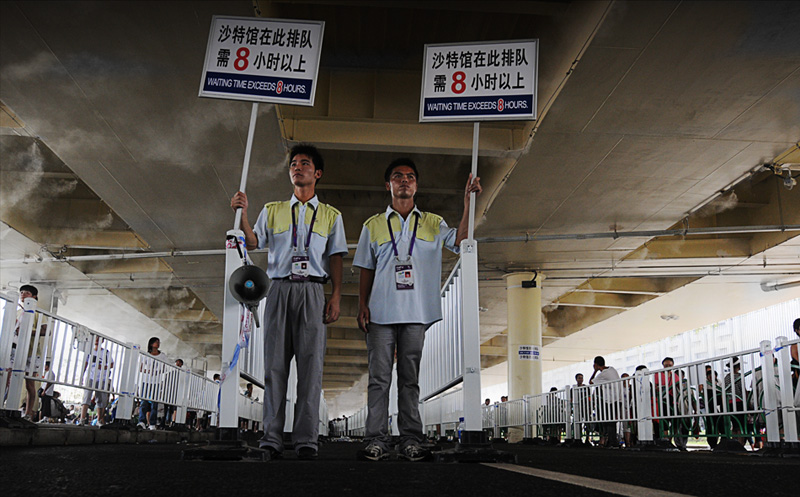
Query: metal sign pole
[[246, 166], [474, 445], [476, 129], [229, 390]]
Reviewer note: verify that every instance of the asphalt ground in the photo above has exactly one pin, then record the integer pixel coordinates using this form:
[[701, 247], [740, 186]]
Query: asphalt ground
[[157, 469]]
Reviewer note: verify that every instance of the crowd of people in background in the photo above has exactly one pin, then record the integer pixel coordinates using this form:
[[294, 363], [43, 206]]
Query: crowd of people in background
[[680, 410], [42, 403]]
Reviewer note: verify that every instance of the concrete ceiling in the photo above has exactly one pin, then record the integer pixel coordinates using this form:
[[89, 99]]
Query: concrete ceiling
[[648, 110]]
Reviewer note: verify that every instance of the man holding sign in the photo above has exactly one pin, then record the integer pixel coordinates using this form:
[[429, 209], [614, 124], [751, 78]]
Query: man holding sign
[[400, 256], [306, 243]]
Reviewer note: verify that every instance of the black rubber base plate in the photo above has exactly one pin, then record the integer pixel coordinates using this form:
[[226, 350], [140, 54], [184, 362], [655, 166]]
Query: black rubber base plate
[[225, 450]]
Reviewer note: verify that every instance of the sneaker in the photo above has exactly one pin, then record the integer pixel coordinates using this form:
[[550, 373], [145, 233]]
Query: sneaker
[[153, 428], [306, 453], [413, 452], [373, 452], [142, 425]]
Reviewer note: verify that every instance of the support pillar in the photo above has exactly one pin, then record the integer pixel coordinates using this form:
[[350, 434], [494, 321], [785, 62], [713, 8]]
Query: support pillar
[[524, 298]]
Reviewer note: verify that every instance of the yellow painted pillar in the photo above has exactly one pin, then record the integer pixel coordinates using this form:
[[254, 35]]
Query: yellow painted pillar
[[524, 299]]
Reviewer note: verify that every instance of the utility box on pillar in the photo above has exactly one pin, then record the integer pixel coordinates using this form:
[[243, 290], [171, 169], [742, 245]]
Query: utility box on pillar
[[524, 297]]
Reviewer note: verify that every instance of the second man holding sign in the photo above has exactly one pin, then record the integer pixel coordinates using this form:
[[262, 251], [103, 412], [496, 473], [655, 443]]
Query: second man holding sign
[[400, 256]]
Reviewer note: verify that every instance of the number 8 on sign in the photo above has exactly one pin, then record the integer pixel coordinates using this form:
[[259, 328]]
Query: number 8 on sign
[[241, 58], [459, 85]]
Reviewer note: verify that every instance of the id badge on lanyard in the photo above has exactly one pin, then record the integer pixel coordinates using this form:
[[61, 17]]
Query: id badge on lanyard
[[404, 273], [404, 276], [300, 263]]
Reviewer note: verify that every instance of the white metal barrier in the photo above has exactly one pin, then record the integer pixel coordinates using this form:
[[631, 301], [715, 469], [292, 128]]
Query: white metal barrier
[[442, 362], [41, 346], [251, 359], [743, 394], [323, 416], [357, 423]]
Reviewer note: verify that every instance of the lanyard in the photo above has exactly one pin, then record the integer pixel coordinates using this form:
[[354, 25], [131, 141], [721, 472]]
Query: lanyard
[[310, 229], [413, 237]]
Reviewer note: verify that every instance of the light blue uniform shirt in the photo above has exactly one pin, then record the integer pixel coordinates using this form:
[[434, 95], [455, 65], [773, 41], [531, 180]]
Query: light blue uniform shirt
[[278, 235], [422, 304]]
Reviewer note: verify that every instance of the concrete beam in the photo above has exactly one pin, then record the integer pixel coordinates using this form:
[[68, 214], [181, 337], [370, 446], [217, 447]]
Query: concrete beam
[[205, 338], [690, 248], [488, 350], [345, 359], [336, 385], [344, 378], [346, 322], [191, 315], [347, 344], [345, 370]]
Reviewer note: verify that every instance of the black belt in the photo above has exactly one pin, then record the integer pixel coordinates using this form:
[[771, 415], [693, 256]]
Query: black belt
[[312, 279]]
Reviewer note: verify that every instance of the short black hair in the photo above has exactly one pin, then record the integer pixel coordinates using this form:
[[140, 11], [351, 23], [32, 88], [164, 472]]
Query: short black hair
[[667, 359], [600, 361], [311, 151], [29, 288], [641, 367], [579, 374], [796, 325], [402, 161]]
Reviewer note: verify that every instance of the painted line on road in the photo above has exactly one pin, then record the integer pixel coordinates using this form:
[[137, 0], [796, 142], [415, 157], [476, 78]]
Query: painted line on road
[[582, 481]]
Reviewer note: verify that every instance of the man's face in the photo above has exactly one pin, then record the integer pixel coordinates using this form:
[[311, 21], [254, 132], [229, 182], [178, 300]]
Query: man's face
[[597, 367], [402, 182], [667, 363], [25, 294], [302, 171], [579, 378], [486, 402]]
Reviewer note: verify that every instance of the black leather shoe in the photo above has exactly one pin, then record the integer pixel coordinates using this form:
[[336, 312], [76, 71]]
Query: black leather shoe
[[306, 454]]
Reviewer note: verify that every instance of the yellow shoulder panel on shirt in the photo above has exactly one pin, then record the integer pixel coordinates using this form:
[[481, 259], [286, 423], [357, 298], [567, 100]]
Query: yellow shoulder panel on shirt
[[279, 216], [378, 231], [428, 226], [326, 218]]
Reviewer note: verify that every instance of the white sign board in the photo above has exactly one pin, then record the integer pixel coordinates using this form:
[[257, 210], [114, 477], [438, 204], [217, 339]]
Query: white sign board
[[262, 60], [529, 353], [486, 81]]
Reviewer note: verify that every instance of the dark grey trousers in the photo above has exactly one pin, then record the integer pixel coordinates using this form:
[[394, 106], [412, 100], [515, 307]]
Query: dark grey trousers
[[293, 325], [382, 340]]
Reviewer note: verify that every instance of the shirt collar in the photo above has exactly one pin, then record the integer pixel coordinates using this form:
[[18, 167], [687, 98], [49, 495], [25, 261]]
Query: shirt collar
[[390, 211], [314, 201]]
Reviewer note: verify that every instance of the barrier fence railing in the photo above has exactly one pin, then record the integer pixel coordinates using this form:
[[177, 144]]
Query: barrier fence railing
[[43, 347], [251, 359], [747, 394], [442, 363]]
